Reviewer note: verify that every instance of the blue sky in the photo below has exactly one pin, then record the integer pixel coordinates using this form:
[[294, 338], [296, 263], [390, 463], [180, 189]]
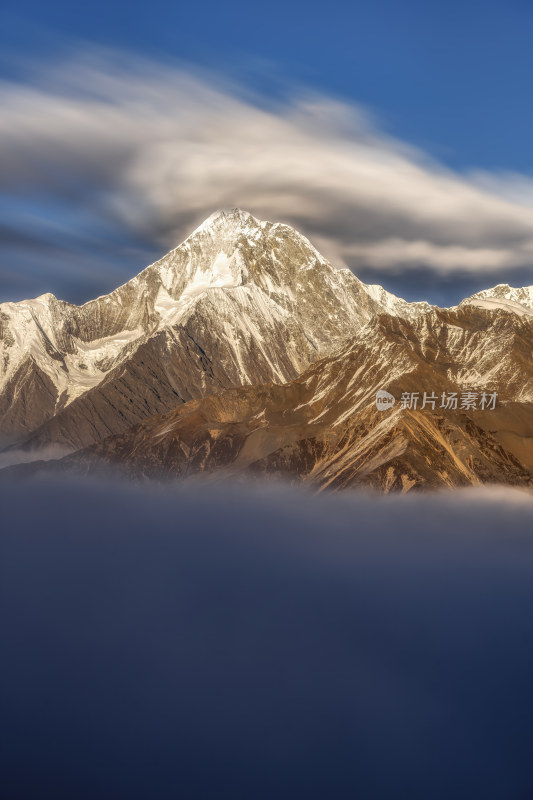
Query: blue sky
[[450, 80], [438, 75]]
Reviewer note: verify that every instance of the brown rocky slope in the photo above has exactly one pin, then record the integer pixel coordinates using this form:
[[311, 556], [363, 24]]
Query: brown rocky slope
[[323, 428]]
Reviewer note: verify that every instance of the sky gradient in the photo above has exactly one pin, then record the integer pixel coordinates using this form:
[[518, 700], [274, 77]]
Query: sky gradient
[[396, 137]]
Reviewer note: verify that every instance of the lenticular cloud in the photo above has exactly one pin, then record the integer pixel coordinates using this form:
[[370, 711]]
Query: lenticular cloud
[[148, 151]]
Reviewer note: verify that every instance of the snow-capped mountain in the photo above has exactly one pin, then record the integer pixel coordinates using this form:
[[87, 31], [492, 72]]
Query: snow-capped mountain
[[244, 350], [239, 302], [503, 296]]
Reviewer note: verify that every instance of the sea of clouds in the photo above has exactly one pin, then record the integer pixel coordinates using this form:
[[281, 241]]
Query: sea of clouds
[[258, 641]]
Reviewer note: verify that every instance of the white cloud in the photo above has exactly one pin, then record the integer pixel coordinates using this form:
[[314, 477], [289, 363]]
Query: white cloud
[[401, 253], [154, 150]]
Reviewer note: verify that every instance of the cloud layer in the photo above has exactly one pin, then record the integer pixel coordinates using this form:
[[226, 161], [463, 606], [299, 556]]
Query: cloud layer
[[262, 642], [119, 155]]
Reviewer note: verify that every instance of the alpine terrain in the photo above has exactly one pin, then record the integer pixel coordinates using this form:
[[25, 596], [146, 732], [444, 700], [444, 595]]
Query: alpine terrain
[[239, 302], [244, 352]]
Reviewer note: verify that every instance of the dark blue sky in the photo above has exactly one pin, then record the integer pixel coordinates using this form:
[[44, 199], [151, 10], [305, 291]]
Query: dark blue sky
[[454, 77]]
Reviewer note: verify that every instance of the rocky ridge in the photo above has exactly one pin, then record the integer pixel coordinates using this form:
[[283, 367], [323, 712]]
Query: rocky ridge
[[323, 428]]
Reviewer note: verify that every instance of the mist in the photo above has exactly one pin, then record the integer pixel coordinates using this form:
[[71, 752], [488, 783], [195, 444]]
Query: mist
[[258, 641]]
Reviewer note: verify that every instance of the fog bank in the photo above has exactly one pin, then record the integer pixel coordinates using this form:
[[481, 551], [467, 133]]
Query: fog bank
[[261, 642]]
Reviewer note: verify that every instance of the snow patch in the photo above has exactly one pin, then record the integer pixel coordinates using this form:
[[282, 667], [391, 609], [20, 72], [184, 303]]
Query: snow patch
[[219, 275], [492, 303]]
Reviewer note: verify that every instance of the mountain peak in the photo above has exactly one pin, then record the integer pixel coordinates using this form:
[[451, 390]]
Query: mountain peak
[[509, 298], [234, 217]]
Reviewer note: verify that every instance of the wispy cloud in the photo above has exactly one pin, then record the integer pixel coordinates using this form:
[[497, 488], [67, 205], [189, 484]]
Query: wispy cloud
[[139, 153]]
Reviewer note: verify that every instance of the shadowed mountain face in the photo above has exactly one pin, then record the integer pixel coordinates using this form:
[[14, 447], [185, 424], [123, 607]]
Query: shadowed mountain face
[[244, 352]]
